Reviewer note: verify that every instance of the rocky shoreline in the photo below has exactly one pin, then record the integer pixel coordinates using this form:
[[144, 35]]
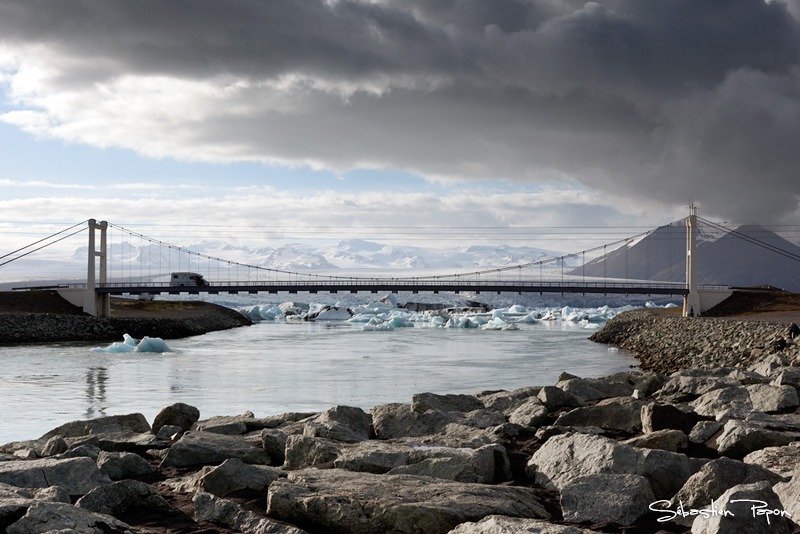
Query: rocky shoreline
[[52, 327], [629, 453], [669, 343]]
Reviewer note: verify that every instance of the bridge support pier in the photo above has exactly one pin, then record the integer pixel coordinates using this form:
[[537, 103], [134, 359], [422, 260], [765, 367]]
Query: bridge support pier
[[691, 302], [97, 304]]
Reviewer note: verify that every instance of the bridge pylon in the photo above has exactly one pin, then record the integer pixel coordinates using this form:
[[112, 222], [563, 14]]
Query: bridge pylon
[[97, 304], [691, 301]]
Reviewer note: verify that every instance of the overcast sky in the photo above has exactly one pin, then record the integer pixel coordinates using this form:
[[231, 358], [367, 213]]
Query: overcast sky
[[383, 113]]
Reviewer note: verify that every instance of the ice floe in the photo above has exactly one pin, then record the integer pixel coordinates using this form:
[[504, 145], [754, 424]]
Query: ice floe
[[147, 344]]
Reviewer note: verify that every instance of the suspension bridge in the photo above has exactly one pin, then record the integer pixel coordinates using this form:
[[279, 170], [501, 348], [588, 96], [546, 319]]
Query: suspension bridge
[[160, 268]]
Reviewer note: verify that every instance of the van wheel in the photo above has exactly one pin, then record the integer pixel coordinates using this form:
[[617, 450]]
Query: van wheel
[[183, 285]]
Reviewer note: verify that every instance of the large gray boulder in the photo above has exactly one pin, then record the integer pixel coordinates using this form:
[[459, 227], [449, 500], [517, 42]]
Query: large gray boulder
[[789, 494], [343, 502], [554, 398], [714, 479], [344, 423], [119, 465], [613, 416], [76, 475], [50, 517], [374, 456], [740, 401], [668, 440], [460, 465], [620, 498], [745, 504], [682, 388], [179, 414], [589, 389], [234, 475], [567, 457], [116, 498], [208, 507], [506, 401], [305, 451], [197, 448], [666, 416], [498, 524], [273, 441], [14, 502], [135, 422], [740, 438], [532, 413], [392, 421], [423, 402], [780, 460]]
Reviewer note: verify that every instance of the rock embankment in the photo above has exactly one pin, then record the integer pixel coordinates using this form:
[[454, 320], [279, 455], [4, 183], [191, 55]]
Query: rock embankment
[[49, 327], [667, 343], [632, 452]]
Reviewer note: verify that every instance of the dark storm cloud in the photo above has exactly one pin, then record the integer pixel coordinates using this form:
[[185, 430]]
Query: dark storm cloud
[[666, 99]]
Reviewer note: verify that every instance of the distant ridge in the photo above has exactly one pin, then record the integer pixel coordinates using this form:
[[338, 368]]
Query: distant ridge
[[722, 258]]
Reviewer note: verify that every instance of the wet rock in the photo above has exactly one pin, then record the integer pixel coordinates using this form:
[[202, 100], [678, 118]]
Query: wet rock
[[59, 517], [114, 499], [196, 448], [620, 498], [119, 465], [179, 414], [76, 475], [339, 501], [229, 514]]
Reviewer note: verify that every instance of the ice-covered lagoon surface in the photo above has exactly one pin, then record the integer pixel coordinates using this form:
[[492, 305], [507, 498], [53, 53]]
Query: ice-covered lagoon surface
[[278, 366]]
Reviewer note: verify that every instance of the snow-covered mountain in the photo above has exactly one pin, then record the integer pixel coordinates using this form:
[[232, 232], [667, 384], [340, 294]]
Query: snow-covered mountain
[[730, 258]]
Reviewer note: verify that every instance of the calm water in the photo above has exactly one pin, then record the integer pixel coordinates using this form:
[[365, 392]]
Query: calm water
[[271, 368]]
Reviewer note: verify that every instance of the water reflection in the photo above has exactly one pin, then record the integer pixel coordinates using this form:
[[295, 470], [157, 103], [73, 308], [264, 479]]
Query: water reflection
[[96, 378]]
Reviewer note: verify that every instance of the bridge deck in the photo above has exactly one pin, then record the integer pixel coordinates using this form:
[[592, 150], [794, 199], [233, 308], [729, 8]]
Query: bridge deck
[[393, 286]]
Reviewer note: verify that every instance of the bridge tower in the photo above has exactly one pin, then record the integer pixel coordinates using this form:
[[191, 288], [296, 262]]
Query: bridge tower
[[96, 304], [691, 302]]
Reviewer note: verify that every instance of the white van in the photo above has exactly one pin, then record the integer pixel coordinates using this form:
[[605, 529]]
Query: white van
[[187, 280]]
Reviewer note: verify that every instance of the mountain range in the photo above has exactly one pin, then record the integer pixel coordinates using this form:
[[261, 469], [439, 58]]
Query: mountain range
[[747, 256]]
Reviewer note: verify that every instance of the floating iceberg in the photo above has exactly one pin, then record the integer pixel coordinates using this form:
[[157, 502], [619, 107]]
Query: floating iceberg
[[147, 344], [377, 324], [262, 313]]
